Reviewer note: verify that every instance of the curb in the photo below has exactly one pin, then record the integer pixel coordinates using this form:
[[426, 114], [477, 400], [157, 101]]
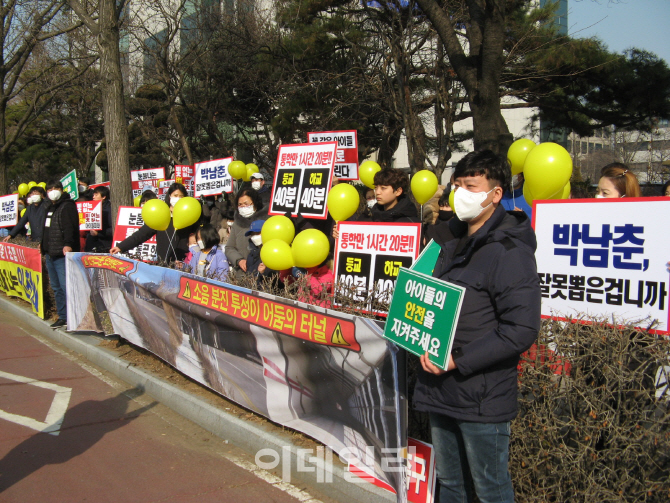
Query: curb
[[242, 434]]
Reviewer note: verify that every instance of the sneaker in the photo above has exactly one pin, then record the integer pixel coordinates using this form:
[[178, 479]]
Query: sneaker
[[58, 323]]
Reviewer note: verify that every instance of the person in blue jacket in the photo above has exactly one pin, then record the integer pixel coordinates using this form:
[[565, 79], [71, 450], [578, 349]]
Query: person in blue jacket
[[207, 257], [472, 402], [513, 200]]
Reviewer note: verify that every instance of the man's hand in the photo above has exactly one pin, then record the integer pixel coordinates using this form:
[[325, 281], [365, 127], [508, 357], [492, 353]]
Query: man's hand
[[335, 233], [6, 239], [66, 249], [431, 368], [115, 250], [242, 264]]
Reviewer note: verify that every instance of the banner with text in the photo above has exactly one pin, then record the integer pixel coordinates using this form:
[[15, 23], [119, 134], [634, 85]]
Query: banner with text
[[90, 215], [9, 210], [21, 275], [146, 179], [71, 184], [302, 180], [327, 374], [128, 221], [346, 156], [604, 258], [212, 177], [184, 174], [369, 255]]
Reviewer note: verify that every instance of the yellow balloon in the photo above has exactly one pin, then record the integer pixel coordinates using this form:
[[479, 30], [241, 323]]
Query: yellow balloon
[[367, 171], [278, 227], [43, 185], [517, 153], [23, 211], [156, 214], [23, 189], [310, 248], [136, 201], [276, 254], [566, 191], [251, 169], [547, 169], [237, 169], [424, 186], [186, 212], [451, 199], [31, 185], [343, 201], [527, 195]]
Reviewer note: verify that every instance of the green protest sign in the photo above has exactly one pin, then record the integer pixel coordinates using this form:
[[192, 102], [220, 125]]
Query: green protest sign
[[423, 315], [71, 184], [426, 262]]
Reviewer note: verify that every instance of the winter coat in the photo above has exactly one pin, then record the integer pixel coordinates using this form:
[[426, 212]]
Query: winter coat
[[217, 263], [499, 319], [440, 231], [237, 246], [34, 215], [515, 199], [404, 211], [62, 219], [102, 241], [164, 251]]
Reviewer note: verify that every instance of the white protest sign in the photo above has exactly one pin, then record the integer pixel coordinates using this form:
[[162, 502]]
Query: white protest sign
[[212, 177], [604, 258], [9, 210]]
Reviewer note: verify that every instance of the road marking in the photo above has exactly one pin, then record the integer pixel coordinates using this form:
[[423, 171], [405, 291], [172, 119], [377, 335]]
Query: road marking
[[57, 410]]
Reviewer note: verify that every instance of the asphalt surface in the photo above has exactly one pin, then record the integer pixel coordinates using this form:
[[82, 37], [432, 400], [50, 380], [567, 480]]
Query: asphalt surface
[[72, 432]]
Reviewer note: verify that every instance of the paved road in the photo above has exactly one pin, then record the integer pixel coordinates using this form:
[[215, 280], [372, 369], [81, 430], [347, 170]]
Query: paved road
[[114, 444]]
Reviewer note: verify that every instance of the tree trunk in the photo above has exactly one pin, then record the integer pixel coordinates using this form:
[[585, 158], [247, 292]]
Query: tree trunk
[[113, 107]]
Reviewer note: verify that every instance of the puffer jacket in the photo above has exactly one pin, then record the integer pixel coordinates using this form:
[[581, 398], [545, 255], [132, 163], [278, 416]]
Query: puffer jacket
[[499, 319], [404, 211], [63, 227]]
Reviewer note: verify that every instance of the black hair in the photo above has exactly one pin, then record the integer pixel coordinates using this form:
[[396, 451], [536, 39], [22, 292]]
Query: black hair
[[83, 179], [230, 214], [253, 194], [444, 198], [54, 183], [103, 191], [665, 187], [147, 195], [209, 236], [396, 178], [177, 186], [39, 189], [492, 166]]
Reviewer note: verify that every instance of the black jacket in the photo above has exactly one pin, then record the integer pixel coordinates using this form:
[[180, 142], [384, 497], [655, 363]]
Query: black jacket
[[440, 231], [164, 251], [63, 227], [102, 241], [404, 211], [499, 320], [34, 215]]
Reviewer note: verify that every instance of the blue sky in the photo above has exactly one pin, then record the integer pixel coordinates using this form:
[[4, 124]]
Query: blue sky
[[622, 24]]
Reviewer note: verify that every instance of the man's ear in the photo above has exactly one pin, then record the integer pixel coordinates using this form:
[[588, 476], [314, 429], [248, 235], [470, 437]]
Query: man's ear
[[497, 194], [398, 192]]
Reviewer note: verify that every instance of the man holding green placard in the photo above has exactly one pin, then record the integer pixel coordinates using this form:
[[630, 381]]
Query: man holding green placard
[[472, 402]]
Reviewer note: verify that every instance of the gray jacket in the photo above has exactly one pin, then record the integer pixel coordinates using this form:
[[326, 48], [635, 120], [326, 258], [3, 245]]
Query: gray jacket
[[237, 246]]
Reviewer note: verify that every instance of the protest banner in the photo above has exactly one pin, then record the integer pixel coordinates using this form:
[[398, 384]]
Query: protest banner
[[423, 315], [71, 184], [604, 258], [21, 275], [346, 156], [9, 210], [328, 374], [369, 255], [128, 221], [90, 215], [146, 179], [184, 174], [163, 187], [103, 184], [303, 177], [212, 177]]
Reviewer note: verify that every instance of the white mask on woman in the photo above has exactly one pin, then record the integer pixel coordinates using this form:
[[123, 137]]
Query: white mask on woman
[[34, 199], [246, 211], [174, 200]]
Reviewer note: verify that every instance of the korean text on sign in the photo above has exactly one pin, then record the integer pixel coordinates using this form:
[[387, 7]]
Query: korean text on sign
[[9, 210], [303, 176], [346, 157], [212, 177], [90, 215]]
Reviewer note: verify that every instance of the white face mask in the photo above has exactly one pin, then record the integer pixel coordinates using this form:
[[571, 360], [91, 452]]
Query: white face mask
[[174, 200], [468, 205], [201, 245], [246, 211], [516, 179], [54, 195], [34, 199], [82, 188], [256, 185], [257, 239], [371, 203], [230, 223], [600, 196]]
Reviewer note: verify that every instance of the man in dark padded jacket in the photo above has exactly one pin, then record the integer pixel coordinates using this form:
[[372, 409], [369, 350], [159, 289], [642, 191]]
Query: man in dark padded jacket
[[393, 204], [472, 403], [60, 236]]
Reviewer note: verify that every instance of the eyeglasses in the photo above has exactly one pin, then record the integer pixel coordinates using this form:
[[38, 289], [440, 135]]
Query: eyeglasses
[[245, 205]]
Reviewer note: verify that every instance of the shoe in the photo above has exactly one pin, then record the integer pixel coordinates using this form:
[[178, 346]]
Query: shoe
[[58, 323]]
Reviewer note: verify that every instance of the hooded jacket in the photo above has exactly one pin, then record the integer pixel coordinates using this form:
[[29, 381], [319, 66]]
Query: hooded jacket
[[237, 246], [404, 211], [499, 319], [63, 230]]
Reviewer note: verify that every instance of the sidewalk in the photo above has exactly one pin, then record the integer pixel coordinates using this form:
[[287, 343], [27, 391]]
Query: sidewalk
[[249, 436]]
